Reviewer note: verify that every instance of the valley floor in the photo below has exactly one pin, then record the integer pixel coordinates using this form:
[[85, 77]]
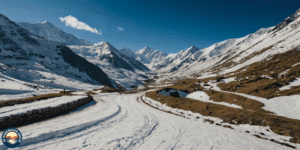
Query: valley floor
[[123, 121]]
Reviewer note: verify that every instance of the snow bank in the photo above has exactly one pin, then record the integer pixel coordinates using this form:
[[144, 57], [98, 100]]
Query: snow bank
[[287, 87], [287, 106], [202, 96], [228, 80]]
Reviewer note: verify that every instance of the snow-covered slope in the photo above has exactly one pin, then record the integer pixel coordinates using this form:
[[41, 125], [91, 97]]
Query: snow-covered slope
[[52, 33], [25, 56]]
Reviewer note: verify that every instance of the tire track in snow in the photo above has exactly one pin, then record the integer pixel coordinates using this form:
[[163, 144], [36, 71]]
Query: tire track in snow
[[67, 131]]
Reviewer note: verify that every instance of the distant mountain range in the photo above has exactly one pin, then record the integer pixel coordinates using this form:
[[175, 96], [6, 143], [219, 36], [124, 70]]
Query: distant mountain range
[[147, 56]]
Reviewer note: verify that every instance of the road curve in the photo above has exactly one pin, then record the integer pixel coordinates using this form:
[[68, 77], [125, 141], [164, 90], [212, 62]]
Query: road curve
[[122, 122]]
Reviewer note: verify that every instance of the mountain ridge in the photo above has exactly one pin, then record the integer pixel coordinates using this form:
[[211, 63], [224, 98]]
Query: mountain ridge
[[50, 32]]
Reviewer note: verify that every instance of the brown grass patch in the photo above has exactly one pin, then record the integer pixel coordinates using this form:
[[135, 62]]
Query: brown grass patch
[[265, 87], [285, 144], [227, 126], [246, 103], [91, 93], [208, 120], [187, 85], [107, 89], [278, 124], [32, 99]]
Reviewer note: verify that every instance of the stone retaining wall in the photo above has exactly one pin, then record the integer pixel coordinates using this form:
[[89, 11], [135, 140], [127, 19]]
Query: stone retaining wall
[[36, 115]]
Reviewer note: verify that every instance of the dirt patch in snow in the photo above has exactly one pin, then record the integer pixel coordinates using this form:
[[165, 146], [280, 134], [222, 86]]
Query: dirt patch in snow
[[91, 93]]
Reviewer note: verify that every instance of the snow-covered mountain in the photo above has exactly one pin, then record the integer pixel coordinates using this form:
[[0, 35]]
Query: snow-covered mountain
[[234, 54], [31, 58], [125, 70], [53, 33], [146, 55]]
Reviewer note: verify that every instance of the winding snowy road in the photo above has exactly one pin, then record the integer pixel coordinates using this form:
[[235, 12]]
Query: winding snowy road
[[123, 122]]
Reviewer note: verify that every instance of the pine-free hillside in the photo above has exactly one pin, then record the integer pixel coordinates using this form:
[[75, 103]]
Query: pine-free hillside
[[29, 57]]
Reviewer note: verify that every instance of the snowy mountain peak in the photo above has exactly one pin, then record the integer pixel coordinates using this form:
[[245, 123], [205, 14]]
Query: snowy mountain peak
[[50, 32], [193, 48], [288, 20], [144, 50], [45, 22], [101, 43], [298, 11]]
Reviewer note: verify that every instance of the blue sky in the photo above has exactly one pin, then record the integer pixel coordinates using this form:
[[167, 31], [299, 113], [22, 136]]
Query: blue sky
[[169, 26]]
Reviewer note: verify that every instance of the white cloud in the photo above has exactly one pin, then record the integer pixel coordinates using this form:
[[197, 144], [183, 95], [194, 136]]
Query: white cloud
[[120, 29], [74, 23]]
